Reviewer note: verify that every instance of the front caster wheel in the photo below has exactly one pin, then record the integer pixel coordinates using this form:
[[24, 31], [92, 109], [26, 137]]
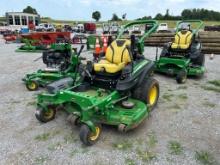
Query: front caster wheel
[[45, 115], [87, 136], [181, 77], [122, 128], [73, 119], [32, 85]]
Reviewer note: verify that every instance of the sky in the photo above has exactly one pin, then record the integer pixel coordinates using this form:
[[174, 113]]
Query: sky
[[82, 9]]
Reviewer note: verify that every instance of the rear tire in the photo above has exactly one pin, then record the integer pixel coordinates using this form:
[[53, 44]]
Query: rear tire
[[200, 60], [148, 92], [181, 77], [87, 136]]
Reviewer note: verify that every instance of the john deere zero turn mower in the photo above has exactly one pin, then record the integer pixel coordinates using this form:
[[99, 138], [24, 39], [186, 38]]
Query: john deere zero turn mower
[[61, 63], [183, 57], [31, 46], [118, 90]]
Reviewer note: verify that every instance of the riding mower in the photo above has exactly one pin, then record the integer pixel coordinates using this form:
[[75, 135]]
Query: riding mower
[[183, 57], [61, 63], [118, 90], [31, 45]]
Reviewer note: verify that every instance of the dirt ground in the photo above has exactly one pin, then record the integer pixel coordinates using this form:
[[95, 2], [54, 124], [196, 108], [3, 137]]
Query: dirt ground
[[184, 125]]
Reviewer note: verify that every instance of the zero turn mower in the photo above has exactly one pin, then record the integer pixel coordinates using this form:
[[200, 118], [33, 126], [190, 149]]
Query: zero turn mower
[[61, 63], [183, 57], [118, 90]]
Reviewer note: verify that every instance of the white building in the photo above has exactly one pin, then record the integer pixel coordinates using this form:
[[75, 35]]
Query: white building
[[16, 20]]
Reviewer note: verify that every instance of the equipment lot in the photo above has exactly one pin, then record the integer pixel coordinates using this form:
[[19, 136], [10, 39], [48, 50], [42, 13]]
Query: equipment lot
[[188, 114]]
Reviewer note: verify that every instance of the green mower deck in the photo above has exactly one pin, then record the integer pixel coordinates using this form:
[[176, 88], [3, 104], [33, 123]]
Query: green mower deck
[[172, 66], [96, 106]]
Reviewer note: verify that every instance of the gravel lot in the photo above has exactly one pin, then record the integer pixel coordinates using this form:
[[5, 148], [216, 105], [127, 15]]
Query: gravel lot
[[186, 121]]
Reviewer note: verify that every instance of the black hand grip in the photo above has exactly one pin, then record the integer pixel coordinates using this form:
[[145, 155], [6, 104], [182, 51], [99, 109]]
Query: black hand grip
[[80, 51]]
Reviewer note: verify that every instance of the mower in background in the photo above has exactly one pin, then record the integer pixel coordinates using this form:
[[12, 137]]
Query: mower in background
[[183, 57], [61, 63]]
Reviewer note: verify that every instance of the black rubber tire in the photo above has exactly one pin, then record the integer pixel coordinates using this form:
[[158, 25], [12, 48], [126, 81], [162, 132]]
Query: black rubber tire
[[143, 91], [85, 134], [181, 77], [40, 114], [200, 60], [73, 119], [36, 85]]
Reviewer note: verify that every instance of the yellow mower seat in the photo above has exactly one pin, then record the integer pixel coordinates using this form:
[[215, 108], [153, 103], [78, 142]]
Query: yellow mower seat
[[116, 58], [182, 41]]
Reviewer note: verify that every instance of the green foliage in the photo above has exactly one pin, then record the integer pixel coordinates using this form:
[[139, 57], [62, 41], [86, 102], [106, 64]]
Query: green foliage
[[42, 137], [115, 18], [209, 104], [175, 147], [96, 15], [145, 18], [30, 10], [202, 14], [146, 155], [129, 161], [152, 140], [205, 158], [183, 96], [167, 96], [211, 88], [41, 160], [124, 145], [215, 82], [53, 147]]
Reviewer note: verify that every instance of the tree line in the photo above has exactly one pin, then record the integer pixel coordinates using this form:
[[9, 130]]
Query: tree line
[[203, 14]]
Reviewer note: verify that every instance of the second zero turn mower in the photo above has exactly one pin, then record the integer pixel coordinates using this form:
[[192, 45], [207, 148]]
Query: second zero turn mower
[[118, 90], [183, 57], [61, 63]]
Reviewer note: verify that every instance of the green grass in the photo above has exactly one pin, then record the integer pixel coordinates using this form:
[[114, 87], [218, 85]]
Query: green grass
[[70, 138], [175, 148], [205, 158], [211, 88], [183, 96], [41, 159], [209, 104], [146, 155], [152, 140], [215, 83], [125, 145], [129, 161], [167, 96], [43, 137], [46, 136], [53, 147], [175, 107], [74, 152]]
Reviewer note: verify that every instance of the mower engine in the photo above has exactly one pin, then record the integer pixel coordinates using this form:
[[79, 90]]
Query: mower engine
[[57, 59]]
